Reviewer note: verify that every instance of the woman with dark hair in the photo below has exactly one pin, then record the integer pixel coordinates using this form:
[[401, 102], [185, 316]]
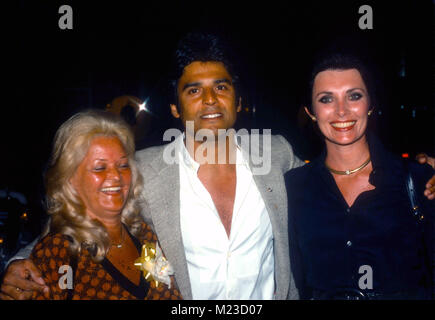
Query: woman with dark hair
[[352, 227]]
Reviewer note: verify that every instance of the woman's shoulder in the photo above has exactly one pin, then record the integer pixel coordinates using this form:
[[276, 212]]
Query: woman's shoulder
[[397, 165], [51, 251], [54, 239], [400, 167], [301, 173], [420, 173], [51, 241]]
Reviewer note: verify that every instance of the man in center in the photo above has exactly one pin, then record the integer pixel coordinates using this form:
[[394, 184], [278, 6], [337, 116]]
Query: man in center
[[221, 225]]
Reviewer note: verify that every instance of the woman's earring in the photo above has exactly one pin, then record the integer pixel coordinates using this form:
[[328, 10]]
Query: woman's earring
[[370, 112], [313, 118]]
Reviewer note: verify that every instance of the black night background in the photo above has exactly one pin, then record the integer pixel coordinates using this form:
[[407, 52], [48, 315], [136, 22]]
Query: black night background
[[124, 48]]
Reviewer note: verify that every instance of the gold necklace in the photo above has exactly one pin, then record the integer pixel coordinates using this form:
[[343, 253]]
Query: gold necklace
[[119, 245], [348, 172]]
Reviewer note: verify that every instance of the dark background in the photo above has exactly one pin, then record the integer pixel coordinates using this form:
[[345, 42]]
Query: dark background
[[125, 48]]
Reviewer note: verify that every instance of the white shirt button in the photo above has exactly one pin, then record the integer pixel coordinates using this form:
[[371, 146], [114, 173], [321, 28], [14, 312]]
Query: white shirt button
[[349, 243]]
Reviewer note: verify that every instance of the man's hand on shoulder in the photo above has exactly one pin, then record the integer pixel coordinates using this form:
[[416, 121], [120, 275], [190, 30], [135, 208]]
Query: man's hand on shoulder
[[430, 185], [430, 189], [21, 278]]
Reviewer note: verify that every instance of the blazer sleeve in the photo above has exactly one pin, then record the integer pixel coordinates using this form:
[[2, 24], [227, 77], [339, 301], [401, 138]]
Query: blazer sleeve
[[291, 160], [25, 252]]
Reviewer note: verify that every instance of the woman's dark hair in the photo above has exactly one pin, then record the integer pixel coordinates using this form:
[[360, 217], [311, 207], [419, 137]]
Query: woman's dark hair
[[342, 61], [204, 47]]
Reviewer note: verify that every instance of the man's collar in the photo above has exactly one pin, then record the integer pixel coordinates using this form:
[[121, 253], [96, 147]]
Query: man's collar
[[185, 157], [192, 164]]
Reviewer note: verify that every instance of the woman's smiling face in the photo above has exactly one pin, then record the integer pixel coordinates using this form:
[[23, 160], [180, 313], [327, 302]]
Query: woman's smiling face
[[341, 103], [103, 179]]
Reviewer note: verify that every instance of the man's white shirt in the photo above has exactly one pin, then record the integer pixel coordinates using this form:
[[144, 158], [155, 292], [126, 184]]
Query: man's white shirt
[[238, 267]]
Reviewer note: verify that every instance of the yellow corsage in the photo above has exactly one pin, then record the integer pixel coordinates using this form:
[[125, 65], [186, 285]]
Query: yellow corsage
[[154, 265]]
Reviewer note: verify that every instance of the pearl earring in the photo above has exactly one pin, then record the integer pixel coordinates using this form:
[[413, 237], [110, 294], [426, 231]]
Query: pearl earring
[[370, 112]]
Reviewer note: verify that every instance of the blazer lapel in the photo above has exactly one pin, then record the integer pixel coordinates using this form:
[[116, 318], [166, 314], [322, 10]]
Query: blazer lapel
[[272, 189], [271, 186], [164, 202]]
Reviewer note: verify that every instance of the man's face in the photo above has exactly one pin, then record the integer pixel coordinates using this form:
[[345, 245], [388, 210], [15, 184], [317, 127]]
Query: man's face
[[206, 96]]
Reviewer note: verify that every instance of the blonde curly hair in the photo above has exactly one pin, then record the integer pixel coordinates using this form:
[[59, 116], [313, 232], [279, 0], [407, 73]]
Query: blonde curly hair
[[64, 206]]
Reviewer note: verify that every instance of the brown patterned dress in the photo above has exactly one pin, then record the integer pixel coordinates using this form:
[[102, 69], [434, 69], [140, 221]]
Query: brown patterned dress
[[94, 281]]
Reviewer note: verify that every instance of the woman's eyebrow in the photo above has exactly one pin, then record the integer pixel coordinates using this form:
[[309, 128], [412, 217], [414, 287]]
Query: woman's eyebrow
[[357, 88], [323, 92]]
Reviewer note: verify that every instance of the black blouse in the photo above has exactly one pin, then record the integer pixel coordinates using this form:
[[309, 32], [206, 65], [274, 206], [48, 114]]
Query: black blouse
[[330, 241]]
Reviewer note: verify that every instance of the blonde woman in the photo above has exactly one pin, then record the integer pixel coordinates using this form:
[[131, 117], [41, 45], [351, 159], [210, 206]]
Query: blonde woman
[[92, 189]]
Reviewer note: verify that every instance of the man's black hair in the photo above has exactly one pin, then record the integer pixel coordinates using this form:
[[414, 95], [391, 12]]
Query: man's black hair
[[204, 47]]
